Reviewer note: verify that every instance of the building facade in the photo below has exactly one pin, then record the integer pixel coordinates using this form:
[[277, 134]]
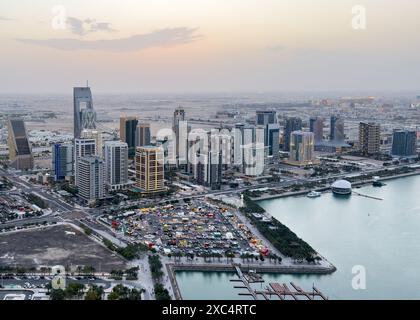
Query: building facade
[[84, 118], [150, 169], [116, 165], [404, 143], [20, 154], [302, 147], [292, 124], [63, 161], [91, 178], [97, 136], [128, 126], [82, 148], [143, 134], [369, 138], [316, 126], [337, 129]]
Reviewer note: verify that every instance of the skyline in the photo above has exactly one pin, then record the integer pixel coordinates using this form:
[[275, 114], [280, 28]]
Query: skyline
[[242, 46]]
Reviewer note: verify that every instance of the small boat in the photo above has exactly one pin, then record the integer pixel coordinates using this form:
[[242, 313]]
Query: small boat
[[378, 183], [313, 194]]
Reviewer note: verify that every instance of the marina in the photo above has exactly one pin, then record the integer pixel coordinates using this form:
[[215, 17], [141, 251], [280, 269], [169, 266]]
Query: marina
[[380, 236]]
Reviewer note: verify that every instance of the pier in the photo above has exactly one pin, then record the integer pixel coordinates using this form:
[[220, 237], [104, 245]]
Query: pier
[[367, 196], [282, 291]]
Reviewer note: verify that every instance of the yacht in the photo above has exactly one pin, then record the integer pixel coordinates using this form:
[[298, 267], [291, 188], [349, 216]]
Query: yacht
[[313, 194]]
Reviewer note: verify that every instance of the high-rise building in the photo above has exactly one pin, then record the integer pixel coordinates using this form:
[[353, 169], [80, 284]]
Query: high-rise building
[[316, 125], [128, 127], [116, 165], [20, 154], [292, 124], [369, 138], [82, 148], [97, 136], [211, 158], [272, 139], [249, 148], [302, 147], [150, 169], [91, 178], [84, 118], [242, 135], [266, 117], [181, 130], [404, 143], [337, 129], [143, 135], [63, 161]]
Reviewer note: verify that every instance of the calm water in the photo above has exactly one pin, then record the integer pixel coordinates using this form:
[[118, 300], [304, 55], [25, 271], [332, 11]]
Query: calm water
[[381, 236]]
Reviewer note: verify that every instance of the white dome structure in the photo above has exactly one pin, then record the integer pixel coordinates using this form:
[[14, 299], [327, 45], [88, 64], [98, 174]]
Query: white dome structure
[[342, 187]]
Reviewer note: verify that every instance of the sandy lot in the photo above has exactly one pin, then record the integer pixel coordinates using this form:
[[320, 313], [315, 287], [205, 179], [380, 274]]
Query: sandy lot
[[52, 246]]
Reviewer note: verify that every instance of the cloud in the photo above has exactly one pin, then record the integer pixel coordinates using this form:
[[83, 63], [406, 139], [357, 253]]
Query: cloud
[[83, 27], [275, 48], [160, 38], [5, 19]]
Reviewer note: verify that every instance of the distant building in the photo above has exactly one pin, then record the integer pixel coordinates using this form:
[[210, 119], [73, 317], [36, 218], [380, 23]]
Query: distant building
[[337, 129], [84, 118], [316, 126], [150, 169], [292, 124], [404, 143], [82, 148], [369, 138], [97, 136], [302, 147], [20, 154], [128, 126], [266, 117], [91, 178], [116, 165], [63, 161], [143, 135]]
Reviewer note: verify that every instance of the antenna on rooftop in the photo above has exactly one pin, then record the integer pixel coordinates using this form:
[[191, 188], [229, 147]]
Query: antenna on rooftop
[[87, 83]]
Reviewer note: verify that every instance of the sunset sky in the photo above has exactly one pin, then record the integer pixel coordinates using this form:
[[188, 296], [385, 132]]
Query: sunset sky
[[143, 46]]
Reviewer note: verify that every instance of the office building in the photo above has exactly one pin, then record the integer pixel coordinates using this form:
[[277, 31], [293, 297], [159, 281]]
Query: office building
[[150, 169], [242, 135], [272, 139], [128, 126], [292, 124], [82, 148], [181, 130], [266, 117], [20, 154], [369, 138], [143, 135], [91, 178], [97, 136], [116, 165], [337, 129], [83, 113], [316, 126], [404, 143], [302, 147], [63, 161]]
